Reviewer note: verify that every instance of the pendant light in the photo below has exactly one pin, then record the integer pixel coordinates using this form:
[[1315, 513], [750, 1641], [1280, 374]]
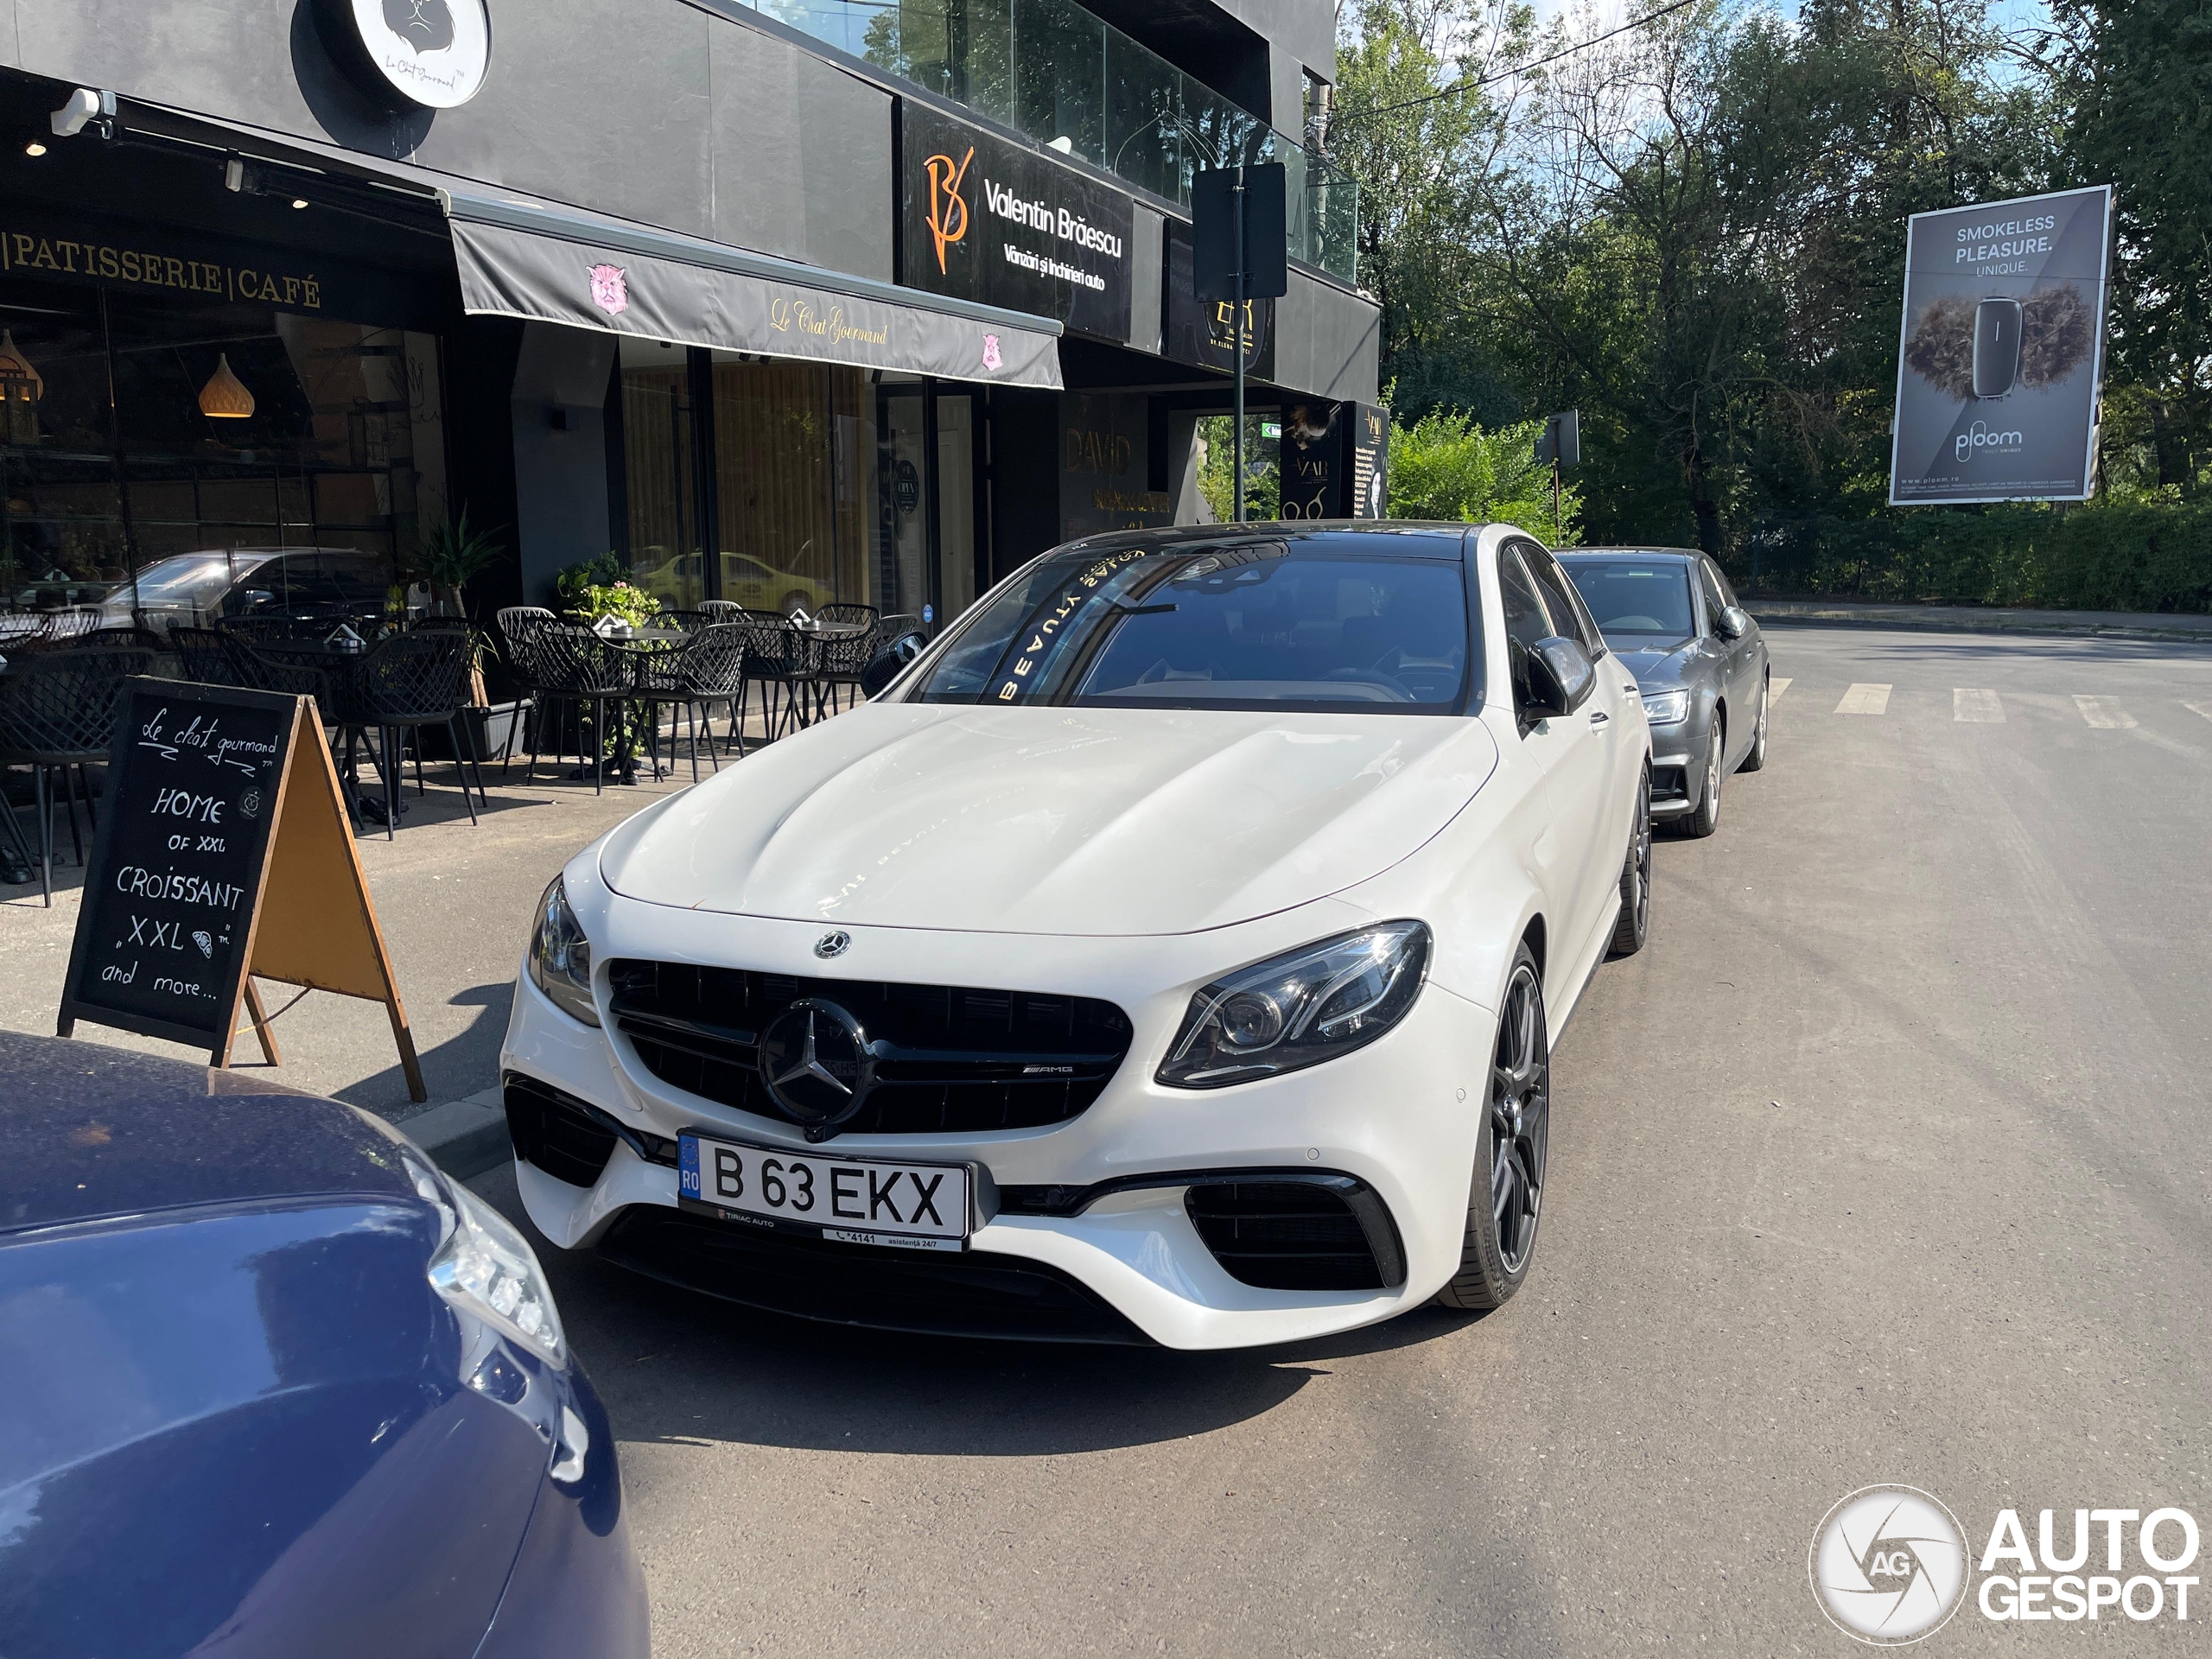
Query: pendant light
[[19, 381], [225, 397]]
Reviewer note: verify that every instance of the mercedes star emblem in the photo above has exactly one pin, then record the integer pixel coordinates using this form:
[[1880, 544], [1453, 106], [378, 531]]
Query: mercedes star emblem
[[816, 1063], [832, 944]]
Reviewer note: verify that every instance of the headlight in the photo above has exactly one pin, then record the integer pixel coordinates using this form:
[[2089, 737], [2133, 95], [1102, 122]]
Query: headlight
[[560, 957], [1298, 1010], [1666, 707], [486, 1268]]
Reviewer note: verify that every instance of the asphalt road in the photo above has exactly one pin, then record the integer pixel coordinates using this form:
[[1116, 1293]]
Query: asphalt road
[[1886, 1162]]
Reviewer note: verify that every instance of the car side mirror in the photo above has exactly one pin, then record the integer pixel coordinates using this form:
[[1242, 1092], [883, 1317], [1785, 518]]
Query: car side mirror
[[890, 660], [1732, 623], [1561, 678]]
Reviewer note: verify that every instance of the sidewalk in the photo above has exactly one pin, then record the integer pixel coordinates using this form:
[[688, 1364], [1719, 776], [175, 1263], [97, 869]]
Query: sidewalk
[[2121, 625], [455, 901]]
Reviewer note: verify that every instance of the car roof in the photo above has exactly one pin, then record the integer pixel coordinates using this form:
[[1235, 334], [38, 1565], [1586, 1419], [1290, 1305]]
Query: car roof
[[1371, 537], [88, 1131], [1568, 556]]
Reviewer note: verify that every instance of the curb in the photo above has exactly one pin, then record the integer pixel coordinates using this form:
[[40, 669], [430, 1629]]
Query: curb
[[1969, 619], [463, 1137]]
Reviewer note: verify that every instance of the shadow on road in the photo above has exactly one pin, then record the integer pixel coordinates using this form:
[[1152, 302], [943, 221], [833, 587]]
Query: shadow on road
[[676, 1367]]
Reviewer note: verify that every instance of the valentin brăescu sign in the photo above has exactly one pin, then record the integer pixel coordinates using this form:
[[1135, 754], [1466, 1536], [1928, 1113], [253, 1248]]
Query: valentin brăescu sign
[[2001, 350]]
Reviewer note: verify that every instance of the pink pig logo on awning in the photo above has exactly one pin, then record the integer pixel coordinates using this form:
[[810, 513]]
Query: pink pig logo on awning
[[609, 291], [991, 358]]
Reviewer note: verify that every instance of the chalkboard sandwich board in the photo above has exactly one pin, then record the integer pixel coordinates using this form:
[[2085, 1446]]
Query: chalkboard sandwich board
[[224, 855]]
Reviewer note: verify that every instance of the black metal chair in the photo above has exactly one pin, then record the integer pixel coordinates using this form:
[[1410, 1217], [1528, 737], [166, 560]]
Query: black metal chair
[[401, 684], [58, 711], [206, 655], [842, 658], [777, 656], [562, 664], [706, 668]]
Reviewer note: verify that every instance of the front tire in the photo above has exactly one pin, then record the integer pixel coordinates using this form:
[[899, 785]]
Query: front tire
[[1756, 758], [1634, 926], [1705, 817], [1506, 1196]]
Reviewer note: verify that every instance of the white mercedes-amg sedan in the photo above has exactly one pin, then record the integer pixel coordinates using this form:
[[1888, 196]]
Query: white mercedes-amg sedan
[[1170, 952]]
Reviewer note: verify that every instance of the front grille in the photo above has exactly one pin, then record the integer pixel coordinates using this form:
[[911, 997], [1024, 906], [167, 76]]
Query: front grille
[[972, 1294], [948, 1060], [1290, 1234]]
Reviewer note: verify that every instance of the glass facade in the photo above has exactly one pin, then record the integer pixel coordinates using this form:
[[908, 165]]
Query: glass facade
[[793, 486], [148, 429], [815, 480], [1050, 69]]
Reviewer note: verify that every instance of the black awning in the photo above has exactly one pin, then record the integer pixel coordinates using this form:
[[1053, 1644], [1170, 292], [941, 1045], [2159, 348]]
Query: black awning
[[520, 257]]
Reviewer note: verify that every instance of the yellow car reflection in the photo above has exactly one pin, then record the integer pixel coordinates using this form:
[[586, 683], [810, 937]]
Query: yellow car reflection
[[676, 583]]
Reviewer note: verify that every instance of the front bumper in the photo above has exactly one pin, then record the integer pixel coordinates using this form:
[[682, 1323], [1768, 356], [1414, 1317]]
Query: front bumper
[[1397, 1118]]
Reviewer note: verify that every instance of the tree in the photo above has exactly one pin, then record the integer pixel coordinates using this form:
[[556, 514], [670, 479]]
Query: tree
[[1445, 466], [2133, 75]]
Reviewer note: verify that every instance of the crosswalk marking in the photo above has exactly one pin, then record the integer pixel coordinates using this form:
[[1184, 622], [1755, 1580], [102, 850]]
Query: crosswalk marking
[[1865, 700], [1982, 707], [2203, 708], [2104, 713], [1775, 687]]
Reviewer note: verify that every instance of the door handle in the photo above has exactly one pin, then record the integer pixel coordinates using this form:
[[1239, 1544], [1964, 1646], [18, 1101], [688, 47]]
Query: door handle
[[1597, 717]]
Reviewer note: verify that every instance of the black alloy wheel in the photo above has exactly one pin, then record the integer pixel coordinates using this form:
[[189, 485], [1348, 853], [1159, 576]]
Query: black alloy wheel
[[1756, 758], [1704, 818], [1634, 926], [1506, 1196]]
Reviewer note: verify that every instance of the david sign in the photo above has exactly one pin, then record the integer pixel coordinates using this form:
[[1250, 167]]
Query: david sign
[[2001, 350]]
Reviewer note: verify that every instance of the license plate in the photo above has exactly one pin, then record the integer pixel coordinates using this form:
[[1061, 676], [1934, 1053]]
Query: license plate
[[852, 1200]]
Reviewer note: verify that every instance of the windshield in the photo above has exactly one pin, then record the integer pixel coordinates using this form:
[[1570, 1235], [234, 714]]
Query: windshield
[[1255, 625], [1630, 597], [196, 579]]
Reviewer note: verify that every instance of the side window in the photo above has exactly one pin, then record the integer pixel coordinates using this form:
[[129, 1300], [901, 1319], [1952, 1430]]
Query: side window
[[1728, 593], [1715, 604], [1525, 621], [1570, 621]]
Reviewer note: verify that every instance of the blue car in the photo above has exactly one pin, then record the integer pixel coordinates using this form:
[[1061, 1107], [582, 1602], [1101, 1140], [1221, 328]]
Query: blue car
[[271, 1384]]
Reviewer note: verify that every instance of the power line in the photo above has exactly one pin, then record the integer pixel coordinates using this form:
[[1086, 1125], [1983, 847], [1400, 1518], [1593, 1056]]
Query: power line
[[1473, 82]]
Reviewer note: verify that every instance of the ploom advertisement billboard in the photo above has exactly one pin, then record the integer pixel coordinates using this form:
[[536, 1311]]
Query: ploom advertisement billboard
[[2001, 350]]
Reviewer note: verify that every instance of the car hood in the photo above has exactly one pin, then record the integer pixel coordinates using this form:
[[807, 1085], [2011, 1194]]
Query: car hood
[[86, 1130], [1075, 821], [1659, 664]]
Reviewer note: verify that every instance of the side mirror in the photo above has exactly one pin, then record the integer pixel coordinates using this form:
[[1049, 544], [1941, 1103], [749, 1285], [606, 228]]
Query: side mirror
[[890, 660], [1559, 679], [1732, 623]]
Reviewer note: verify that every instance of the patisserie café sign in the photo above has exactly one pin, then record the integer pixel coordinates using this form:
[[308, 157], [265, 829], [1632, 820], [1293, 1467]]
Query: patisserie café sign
[[204, 271]]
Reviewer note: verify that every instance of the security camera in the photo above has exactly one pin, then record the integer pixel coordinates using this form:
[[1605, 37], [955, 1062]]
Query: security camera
[[85, 107]]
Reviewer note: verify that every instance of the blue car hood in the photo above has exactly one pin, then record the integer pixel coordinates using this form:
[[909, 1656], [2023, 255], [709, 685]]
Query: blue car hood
[[237, 1420], [88, 1131]]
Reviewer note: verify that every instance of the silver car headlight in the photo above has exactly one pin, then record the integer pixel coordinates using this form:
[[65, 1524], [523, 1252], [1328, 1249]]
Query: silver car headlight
[[560, 957], [1299, 1009], [485, 1268], [1666, 707]]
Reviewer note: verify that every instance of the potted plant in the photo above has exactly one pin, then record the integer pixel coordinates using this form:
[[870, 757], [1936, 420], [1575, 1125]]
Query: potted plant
[[454, 554], [598, 594]]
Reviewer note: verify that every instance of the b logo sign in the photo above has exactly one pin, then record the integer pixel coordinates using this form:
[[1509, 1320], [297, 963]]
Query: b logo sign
[[1889, 1565], [948, 207]]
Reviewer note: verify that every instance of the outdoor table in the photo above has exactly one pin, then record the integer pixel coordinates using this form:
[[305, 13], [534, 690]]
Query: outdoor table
[[631, 649]]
